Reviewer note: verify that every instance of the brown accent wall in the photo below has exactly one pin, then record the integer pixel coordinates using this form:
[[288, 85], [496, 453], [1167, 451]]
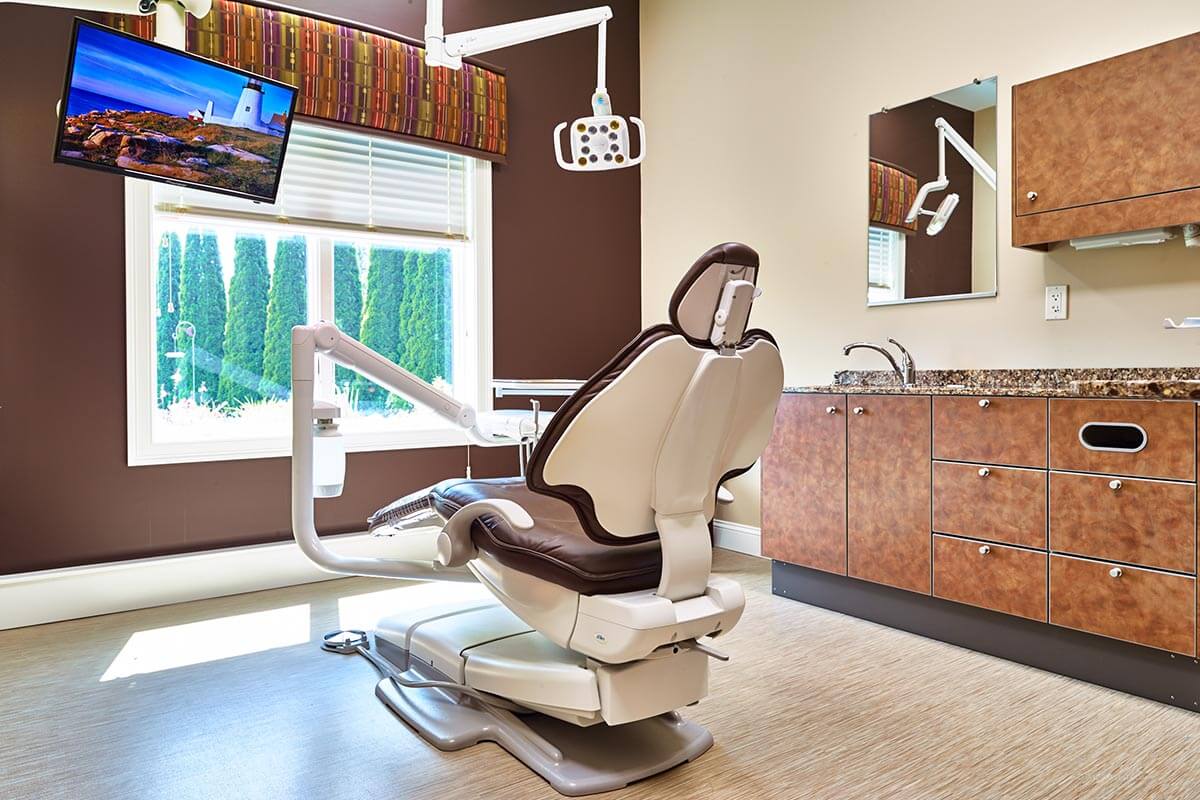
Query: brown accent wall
[[566, 288], [905, 136]]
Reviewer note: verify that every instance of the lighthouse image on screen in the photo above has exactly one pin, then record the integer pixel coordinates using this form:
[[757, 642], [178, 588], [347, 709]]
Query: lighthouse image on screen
[[141, 108]]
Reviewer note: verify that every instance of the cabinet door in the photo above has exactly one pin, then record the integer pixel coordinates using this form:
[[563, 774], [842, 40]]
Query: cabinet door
[[804, 483], [888, 494], [1116, 129]]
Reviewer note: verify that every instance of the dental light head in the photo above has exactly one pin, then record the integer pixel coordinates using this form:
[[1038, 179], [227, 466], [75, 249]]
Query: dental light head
[[941, 216], [598, 142]]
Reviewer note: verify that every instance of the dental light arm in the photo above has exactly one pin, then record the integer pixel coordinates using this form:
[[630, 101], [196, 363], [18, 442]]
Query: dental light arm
[[443, 50], [946, 133], [453, 545], [599, 142]]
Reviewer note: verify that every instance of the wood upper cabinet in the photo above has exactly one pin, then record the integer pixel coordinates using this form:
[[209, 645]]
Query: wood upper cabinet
[[1145, 438], [804, 483], [888, 490], [991, 430], [1108, 147]]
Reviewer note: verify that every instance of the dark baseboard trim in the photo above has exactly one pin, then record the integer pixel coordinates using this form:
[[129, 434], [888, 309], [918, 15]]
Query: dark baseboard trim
[[1143, 671]]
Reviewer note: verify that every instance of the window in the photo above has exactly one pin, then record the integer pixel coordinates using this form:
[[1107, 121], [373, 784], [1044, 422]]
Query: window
[[388, 239], [885, 265]]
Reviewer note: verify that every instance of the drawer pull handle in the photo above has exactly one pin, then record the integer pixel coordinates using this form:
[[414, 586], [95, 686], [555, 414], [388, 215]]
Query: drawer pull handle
[[984, 472], [984, 403], [984, 550], [1032, 196], [859, 410], [830, 409], [1115, 485], [1115, 572], [1113, 437]]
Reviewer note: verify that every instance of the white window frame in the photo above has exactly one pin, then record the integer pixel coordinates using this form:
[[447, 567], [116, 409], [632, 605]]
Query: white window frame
[[472, 308], [896, 257]]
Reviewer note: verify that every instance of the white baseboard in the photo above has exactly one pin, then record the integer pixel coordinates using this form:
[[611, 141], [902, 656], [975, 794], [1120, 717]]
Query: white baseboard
[[737, 537], [34, 598]]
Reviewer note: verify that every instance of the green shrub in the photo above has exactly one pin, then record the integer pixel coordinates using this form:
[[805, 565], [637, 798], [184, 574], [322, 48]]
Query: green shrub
[[287, 307], [245, 327]]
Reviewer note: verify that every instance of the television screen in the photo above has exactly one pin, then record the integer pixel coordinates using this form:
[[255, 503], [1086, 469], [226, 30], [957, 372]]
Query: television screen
[[151, 111]]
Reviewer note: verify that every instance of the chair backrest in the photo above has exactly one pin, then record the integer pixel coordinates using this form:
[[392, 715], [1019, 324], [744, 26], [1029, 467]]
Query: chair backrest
[[681, 409]]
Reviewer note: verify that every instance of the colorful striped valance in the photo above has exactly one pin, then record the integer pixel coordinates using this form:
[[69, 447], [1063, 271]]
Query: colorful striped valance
[[892, 193], [352, 75]]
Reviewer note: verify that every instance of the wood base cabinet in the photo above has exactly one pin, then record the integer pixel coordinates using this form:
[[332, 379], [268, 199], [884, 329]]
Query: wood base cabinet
[[888, 490], [804, 483]]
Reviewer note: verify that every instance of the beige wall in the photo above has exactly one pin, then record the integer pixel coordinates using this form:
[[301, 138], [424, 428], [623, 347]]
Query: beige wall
[[983, 207], [757, 114]]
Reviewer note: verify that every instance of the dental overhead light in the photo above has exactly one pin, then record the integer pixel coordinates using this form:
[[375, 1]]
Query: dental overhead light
[[598, 142], [941, 216]]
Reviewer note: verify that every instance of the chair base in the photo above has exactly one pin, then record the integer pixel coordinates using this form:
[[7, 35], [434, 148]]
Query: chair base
[[574, 760]]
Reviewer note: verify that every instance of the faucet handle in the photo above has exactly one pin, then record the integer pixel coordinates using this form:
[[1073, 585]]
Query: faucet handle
[[902, 350]]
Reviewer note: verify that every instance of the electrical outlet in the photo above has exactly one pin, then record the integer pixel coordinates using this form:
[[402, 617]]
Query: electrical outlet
[[1056, 302]]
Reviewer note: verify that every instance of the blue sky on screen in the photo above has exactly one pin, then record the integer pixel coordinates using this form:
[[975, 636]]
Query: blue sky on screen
[[162, 80]]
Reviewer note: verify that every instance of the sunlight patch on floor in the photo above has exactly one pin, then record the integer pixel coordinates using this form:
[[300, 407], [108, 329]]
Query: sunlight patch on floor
[[209, 640], [363, 611]]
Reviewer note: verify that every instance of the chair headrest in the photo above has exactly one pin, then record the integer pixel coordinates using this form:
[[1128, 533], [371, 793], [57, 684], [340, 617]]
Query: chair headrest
[[694, 301]]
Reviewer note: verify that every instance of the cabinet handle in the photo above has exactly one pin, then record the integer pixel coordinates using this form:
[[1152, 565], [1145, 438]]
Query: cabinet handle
[[1032, 196], [859, 410], [1114, 485], [984, 472], [984, 550], [984, 403], [830, 409], [1115, 572]]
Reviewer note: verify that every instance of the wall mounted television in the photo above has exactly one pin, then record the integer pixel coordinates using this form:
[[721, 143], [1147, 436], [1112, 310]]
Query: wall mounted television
[[150, 111]]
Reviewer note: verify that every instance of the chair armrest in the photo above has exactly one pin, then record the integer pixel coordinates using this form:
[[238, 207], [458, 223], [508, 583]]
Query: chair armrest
[[454, 544]]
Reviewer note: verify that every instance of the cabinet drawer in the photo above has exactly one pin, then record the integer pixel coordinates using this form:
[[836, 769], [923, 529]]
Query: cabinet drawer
[[1141, 606], [1153, 439], [993, 430], [1143, 522], [990, 576], [995, 503]]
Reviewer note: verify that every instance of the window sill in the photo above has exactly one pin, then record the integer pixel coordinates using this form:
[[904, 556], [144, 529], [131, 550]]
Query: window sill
[[197, 452]]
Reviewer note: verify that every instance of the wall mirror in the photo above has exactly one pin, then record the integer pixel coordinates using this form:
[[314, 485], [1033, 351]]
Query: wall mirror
[[931, 226]]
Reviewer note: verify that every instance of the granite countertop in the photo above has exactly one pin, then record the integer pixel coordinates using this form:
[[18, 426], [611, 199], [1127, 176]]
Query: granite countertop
[[1160, 383]]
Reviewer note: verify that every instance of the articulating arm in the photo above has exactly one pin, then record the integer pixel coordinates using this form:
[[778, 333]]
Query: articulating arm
[[946, 133], [454, 545]]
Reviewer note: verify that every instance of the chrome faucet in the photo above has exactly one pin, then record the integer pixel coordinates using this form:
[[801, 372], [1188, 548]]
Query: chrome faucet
[[906, 370]]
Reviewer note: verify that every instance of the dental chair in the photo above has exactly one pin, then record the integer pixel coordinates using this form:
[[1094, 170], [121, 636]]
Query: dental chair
[[601, 606]]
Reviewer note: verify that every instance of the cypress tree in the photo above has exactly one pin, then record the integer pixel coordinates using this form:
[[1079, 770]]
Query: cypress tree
[[419, 348], [202, 303], [287, 307], [170, 263], [381, 317], [347, 299], [245, 327], [446, 321]]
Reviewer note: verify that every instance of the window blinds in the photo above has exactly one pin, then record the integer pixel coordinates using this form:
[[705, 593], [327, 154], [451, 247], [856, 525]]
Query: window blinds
[[883, 259], [348, 179]]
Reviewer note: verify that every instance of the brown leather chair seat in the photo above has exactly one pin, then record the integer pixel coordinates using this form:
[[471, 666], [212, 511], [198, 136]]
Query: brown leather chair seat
[[556, 549]]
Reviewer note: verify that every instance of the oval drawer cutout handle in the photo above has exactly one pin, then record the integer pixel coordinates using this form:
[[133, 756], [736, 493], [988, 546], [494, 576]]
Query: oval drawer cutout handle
[[984, 472], [859, 410], [1113, 437], [1115, 572], [1115, 485], [984, 403], [984, 549], [830, 409]]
